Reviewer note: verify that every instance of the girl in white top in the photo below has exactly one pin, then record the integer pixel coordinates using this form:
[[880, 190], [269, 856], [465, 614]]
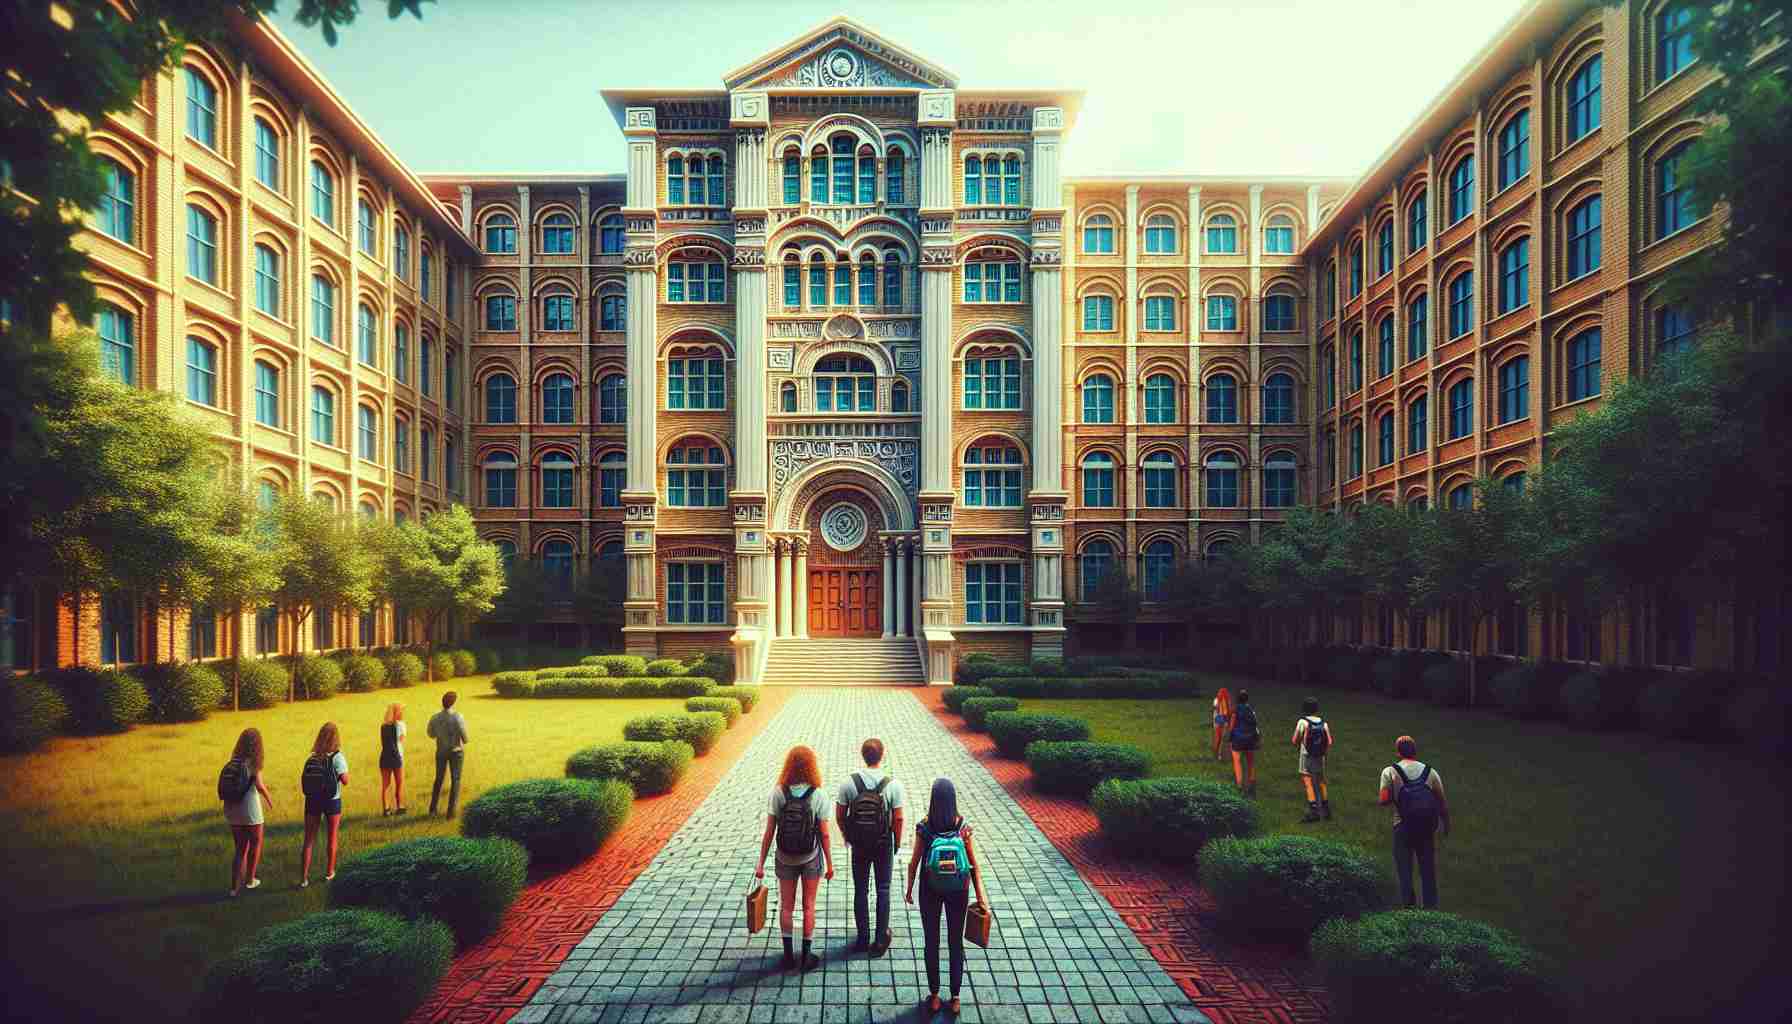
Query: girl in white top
[[245, 815]]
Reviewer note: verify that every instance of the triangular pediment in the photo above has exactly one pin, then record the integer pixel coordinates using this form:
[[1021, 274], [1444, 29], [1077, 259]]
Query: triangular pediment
[[840, 54]]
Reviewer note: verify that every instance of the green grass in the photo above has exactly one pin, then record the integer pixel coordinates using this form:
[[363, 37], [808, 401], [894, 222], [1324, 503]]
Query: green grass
[[118, 857], [1615, 854]]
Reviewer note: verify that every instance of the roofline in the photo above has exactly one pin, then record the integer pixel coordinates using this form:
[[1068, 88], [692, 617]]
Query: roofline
[[309, 86], [619, 100], [768, 59]]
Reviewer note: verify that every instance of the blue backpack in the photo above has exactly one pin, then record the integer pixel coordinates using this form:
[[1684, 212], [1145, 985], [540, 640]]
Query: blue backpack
[[1417, 802], [948, 863]]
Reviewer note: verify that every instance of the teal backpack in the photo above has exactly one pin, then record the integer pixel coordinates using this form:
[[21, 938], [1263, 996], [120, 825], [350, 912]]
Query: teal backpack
[[948, 864]]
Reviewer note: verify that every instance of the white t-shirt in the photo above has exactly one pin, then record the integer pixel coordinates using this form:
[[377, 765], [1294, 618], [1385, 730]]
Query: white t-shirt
[[338, 768], [1391, 783]]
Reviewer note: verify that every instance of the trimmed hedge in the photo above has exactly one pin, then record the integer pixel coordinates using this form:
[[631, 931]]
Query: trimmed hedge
[[466, 884], [335, 966], [1013, 730], [403, 669], [977, 709], [1170, 817], [955, 697], [1286, 886], [487, 660], [441, 666], [184, 692], [1590, 700], [1134, 686], [719, 667], [573, 672], [31, 711], [618, 664], [746, 695], [100, 700], [363, 673], [316, 678], [665, 667], [648, 767], [556, 820], [465, 664], [514, 684], [1518, 691], [1430, 966], [1446, 683], [728, 706], [534, 684], [262, 684], [701, 729], [1673, 707], [1075, 767]]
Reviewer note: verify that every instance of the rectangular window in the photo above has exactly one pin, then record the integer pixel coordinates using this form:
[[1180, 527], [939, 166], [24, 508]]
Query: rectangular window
[[426, 366], [267, 155], [1416, 225], [793, 286], [202, 633], [1515, 148], [1098, 313], [267, 395], [992, 592], [609, 487], [323, 629], [1222, 313], [323, 310], [1584, 98], [202, 109], [1515, 389], [1585, 231], [1462, 313], [818, 286], [695, 384], [1160, 313], [992, 383], [1462, 408], [426, 454], [1462, 189], [992, 282], [842, 286], [1673, 330], [1384, 441], [202, 245], [893, 285], [323, 194], [202, 372], [867, 284], [401, 446], [500, 487], [793, 166], [696, 593], [1418, 314], [1417, 431], [1673, 41], [118, 630], [1515, 275]]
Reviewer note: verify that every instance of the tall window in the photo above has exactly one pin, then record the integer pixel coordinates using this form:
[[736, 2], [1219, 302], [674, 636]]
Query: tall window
[[118, 203], [898, 397], [1384, 439], [1418, 327], [1384, 248], [323, 194], [426, 371], [1160, 313], [1673, 199], [1098, 399], [1417, 227], [202, 245], [401, 449], [1328, 458], [845, 384], [793, 170], [401, 352], [1160, 233], [842, 147], [556, 481], [1328, 377], [202, 108], [556, 234], [1222, 234], [1673, 40], [992, 476], [992, 181], [202, 372], [697, 477], [1222, 313], [1160, 398], [612, 473], [366, 235], [1098, 234], [867, 178], [323, 309], [695, 383], [842, 285], [1356, 361], [367, 335], [423, 264], [500, 312], [368, 434], [118, 629], [500, 233], [993, 592], [1098, 312], [401, 252], [1462, 409], [267, 394], [1462, 295], [267, 280], [1583, 98], [992, 282], [1221, 473], [1584, 372], [868, 281], [696, 282], [450, 378], [1278, 399], [1222, 399], [1098, 480], [1515, 275], [1462, 189], [892, 280], [1155, 566], [1461, 498], [1278, 313], [500, 398], [1356, 269], [1515, 389], [1674, 329], [1515, 148], [1328, 290], [1279, 481], [1584, 237], [1418, 430], [992, 382], [612, 312], [1354, 468], [267, 154], [612, 236], [696, 592], [323, 415], [557, 399], [612, 399], [1384, 346], [895, 166], [1159, 472], [1278, 236], [1094, 564], [556, 313]]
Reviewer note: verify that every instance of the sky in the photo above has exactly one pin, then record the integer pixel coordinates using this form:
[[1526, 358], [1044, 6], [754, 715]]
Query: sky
[[1295, 87]]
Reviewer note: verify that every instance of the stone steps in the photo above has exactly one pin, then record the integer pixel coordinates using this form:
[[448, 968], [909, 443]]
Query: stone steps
[[831, 661]]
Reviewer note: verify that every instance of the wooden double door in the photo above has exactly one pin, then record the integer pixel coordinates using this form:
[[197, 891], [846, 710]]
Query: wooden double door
[[845, 602]]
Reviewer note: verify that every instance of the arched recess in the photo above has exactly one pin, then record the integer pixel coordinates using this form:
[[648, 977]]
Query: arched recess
[[876, 482]]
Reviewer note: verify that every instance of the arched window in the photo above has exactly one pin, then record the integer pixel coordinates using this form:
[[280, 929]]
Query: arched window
[[1515, 148], [612, 473], [1222, 399], [401, 449], [867, 281], [323, 309], [1328, 290], [556, 312], [1418, 331], [1278, 236], [1160, 312], [1278, 399], [426, 374], [818, 175], [1584, 370], [1462, 189], [1328, 377], [612, 312], [202, 371], [500, 398], [1155, 566], [1674, 207], [1222, 234], [992, 476], [1417, 226], [267, 154], [1160, 398], [895, 167], [787, 396], [612, 399], [323, 193], [117, 213], [1384, 247], [1462, 311], [1462, 497], [1355, 465], [368, 433], [500, 480], [556, 234], [500, 233], [1221, 472], [202, 245], [1513, 482], [1098, 234], [792, 166], [1418, 430], [1279, 481], [892, 279], [267, 394], [506, 552], [1096, 561], [367, 234], [556, 480], [899, 396], [1098, 480], [556, 398], [401, 353], [1098, 399], [1222, 313], [1218, 549], [1585, 236], [1160, 233], [323, 415], [697, 477], [845, 383], [1384, 439], [500, 312], [697, 281], [695, 382], [1515, 389], [556, 560], [1515, 275], [367, 335], [267, 280], [1584, 87], [612, 236], [992, 382], [1098, 312], [1159, 472], [1674, 330], [1278, 312], [1462, 408], [401, 252], [842, 149], [1384, 346], [202, 108], [867, 176], [1673, 40]]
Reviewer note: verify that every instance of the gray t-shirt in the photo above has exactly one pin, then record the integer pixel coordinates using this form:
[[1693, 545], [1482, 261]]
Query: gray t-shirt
[[818, 807], [449, 731], [848, 792]]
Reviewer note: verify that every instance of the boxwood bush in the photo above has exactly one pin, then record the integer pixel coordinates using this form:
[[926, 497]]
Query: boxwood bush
[[1170, 817], [1518, 691], [335, 966], [1013, 730], [618, 664], [101, 700], [977, 709], [955, 696], [1590, 700], [465, 664], [315, 678], [573, 672], [1673, 706], [746, 695], [719, 667], [1430, 966], [648, 767], [728, 706], [1143, 685], [1285, 886], [1446, 683], [1048, 666], [974, 668], [441, 666], [403, 669], [262, 684], [665, 667], [1349, 670], [700, 729], [514, 684], [181, 692], [466, 884], [487, 660], [31, 711], [1075, 767], [556, 820], [363, 673]]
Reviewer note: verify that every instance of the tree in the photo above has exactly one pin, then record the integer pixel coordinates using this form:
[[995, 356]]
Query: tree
[[439, 565], [1299, 569], [1379, 550], [242, 559], [527, 594], [597, 599], [320, 563], [1116, 597], [1469, 559]]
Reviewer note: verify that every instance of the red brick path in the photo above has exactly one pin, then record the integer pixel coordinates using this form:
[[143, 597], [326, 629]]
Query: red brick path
[[1161, 903], [494, 979]]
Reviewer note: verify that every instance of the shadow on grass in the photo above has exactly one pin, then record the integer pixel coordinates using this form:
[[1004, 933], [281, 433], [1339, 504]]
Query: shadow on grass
[[106, 909]]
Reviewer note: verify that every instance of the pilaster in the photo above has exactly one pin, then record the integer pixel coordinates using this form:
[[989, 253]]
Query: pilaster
[[1046, 500], [640, 495]]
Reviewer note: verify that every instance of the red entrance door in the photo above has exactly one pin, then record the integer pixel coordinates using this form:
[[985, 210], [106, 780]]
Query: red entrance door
[[845, 602]]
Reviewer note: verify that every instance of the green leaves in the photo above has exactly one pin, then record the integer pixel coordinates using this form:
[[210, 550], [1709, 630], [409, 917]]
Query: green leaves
[[438, 565]]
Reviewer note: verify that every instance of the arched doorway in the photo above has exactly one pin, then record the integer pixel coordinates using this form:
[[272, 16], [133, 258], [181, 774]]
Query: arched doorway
[[846, 584]]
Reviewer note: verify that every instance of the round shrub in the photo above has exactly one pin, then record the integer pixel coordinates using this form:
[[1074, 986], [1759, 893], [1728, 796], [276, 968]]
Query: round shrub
[[487, 660], [335, 966], [728, 706], [514, 684], [363, 673], [1430, 966], [556, 820], [1048, 666], [1446, 683], [465, 664], [976, 710], [1013, 730], [618, 664], [315, 678], [648, 767], [404, 669], [955, 696], [467, 884], [1586, 701], [101, 700], [1672, 707], [261, 684], [183, 692], [665, 667], [31, 711], [1388, 678], [1517, 691], [700, 729], [747, 696], [719, 667], [1076, 767], [1286, 885], [1170, 817], [441, 666]]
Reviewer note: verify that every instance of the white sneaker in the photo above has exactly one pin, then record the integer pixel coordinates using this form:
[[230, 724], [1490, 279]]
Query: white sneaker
[[253, 883], [304, 882], [329, 876]]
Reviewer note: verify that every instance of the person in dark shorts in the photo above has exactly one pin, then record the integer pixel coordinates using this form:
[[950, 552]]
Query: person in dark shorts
[[1246, 738], [798, 821], [392, 759], [324, 808]]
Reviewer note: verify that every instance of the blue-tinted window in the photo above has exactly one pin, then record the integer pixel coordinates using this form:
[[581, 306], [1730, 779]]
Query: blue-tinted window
[[992, 383], [612, 399], [1418, 330], [118, 203], [695, 383], [267, 280], [1585, 237], [993, 592], [1221, 473], [1098, 480], [1584, 87], [992, 476], [1384, 248], [556, 313], [1515, 275], [323, 309], [697, 478], [1674, 329], [1222, 399], [367, 334], [500, 233], [1278, 399], [612, 473], [1222, 313], [557, 399], [368, 435], [1673, 198], [1384, 439], [1673, 40], [611, 234], [1462, 300], [1384, 346], [1417, 227], [1462, 409], [1098, 399], [1278, 313], [500, 312], [1418, 429], [202, 108], [1095, 562], [1160, 399], [556, 234], [556, 481], [267, 155], [267, 394], [202, 372], [202, 245], [1584, 369], [1279, 481], [1098, 234], [1098, 312], [1462, 189], [323, 194], [500, 398], [696, 592], [1222, 234], [323, 416], [1515, 148]]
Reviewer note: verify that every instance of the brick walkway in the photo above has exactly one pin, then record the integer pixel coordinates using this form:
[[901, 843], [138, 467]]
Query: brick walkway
[[673, 946], [1162, 904]]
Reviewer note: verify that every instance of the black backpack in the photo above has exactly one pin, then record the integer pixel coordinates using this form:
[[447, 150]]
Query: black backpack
[[868, 816], [1416, 802], [1244, 724], [796, 825], [318, 780], [234, 781], [1319, 738]]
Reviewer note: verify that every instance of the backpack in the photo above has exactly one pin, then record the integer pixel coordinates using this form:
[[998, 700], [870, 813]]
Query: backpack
[[1319, 738], [318, 781], [796, 825], [1244, 724], [948, 863], [868, 816], [234, 781], [1416, 802]]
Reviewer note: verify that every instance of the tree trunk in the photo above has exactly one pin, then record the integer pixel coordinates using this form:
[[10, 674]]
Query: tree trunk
[[1474, 642], [236, 663]]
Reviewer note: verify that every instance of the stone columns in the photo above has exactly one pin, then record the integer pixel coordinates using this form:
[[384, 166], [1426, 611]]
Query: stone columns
[[902, 589], [890, 591], [784, 569], [937, 118], [1045, 501], [753, 611], [640, 495], [800, 615]]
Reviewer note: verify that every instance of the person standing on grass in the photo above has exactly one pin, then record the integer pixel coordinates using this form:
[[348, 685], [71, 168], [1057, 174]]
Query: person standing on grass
[[1313, 738], [1222, 721], [946, 862], [392, 759], [244, 793], [1417, 795], [449, 730], [799, 822], [1246, 738], [326, 772], [868, 810]]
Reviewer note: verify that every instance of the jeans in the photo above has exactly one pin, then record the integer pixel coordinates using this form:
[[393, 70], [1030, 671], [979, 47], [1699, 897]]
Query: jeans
[[1424, 847], [865, 861], [449, 761], [954, 905]]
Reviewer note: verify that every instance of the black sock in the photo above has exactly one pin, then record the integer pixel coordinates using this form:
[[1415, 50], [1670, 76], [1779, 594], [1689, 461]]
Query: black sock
[[805, 946], [787, 949]]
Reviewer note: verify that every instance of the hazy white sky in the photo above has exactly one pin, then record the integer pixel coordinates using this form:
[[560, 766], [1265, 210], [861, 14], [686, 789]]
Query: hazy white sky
[[1307, 87]]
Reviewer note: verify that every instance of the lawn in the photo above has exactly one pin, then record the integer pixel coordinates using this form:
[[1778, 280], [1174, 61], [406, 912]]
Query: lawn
[[118, 858], [1654, 872]]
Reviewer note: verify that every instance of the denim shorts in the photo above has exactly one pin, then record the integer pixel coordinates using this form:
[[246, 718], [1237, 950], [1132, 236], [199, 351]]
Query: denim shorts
[[811, 869], [322, 807]]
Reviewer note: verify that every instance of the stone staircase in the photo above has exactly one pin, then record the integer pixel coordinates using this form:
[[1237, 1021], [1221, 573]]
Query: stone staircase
[[843, 661]]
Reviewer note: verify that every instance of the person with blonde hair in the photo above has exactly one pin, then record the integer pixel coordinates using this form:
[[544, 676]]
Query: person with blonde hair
[[243, 792], [326, 772], [799, 822], [392, 759]]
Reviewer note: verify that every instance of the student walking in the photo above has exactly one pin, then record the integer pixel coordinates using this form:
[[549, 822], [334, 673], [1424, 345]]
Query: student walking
[[1417, 794], [798, 820], [243, 793], [449, 730], [1222, 722], [392, 759], [946, 862], [326, 772], [868, 810], [1246, 738], [1313, 737]]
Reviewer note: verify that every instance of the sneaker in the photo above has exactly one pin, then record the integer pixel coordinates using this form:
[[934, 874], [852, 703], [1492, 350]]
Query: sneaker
[[789, 961], [1312, 815], [1326, 810], [231, 893], [862, 946], [952, 1007], [811, 961], [304, 883], [880, 947], [329, 876], [253, 883]]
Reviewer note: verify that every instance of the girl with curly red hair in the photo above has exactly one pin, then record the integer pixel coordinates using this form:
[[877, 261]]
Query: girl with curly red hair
[[798, 820]]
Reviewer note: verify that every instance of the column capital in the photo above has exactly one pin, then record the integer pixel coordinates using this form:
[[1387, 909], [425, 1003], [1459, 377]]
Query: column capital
[[639, 121]]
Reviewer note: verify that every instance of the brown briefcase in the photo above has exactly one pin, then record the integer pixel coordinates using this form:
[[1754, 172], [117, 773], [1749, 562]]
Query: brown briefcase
[[979, 922], [755, 908]]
